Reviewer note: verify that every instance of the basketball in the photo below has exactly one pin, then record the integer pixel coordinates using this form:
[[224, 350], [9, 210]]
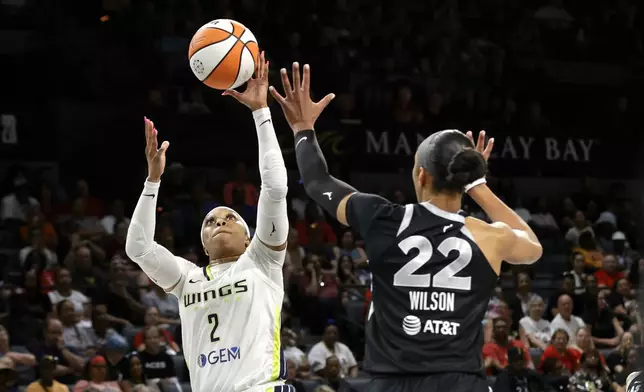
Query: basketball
[[223, 54]]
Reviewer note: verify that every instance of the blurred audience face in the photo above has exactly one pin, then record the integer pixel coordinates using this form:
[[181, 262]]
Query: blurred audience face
[[578, 263], [631, 358], [580, 220], [536, 308], [47, 368], [53, 332], [568, 284], [78, 208], [136, 369], [31, 279], [83, 259], [564, 306], [67, 313], [332, 368], [500, 330], [601, 300], [64, 280], [523, 282], [610, 263], [98, 369], [152, 316], [592, 359], [118, 272], [348, 240], [627, 341], [152, 340], [4, 340], [346, 264], [591, 283], [120, 232], [291, 368], [330, 335], [583, 338], [560, 340]]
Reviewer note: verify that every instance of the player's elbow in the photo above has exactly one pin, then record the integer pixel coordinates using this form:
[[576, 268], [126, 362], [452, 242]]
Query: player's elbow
[[519, 246], [136, 245]]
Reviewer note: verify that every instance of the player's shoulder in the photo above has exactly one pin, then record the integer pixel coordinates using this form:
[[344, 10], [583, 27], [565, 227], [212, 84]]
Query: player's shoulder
[[495, 231], [634, 382]]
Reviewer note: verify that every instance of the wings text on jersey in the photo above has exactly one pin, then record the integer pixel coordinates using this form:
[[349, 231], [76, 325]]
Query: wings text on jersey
[[226, 292]]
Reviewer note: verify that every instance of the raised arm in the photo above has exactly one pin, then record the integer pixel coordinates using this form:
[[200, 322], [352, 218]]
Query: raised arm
[[161, 266], [272, 218], [301, 113]]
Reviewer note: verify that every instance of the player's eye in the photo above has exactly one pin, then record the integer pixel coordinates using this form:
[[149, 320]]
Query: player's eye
[[231, 217]]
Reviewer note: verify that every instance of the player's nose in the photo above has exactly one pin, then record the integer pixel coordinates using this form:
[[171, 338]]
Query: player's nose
[[221, 222]]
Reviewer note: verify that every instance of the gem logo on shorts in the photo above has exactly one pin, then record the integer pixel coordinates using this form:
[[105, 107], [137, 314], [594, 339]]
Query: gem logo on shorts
[[411, 325], [221, 355]]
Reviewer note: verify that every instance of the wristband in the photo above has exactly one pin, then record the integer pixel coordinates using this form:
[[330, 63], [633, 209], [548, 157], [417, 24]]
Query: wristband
[[478, 182]]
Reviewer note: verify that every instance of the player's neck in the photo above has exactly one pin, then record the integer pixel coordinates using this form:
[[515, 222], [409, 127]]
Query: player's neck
[[449, 203], [223, 260]]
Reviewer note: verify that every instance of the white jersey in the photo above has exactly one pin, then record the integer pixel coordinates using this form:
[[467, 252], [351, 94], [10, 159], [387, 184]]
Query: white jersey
[[230, 321]]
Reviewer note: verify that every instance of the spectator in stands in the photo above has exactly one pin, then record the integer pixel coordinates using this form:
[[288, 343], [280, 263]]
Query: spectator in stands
[[608, 275], [153, 319], [96, 377], [567, 288], [348, 248], [587, 246], [621, 248], [117, 215], [166, 304], [114, 349], [23, 359], [565, 319], [591, 372], [606, 329], [516, 377], [536, 328], [495, 352], [580, 225], [330, 346], [291, 377], [100, 331], [29, 306], [294, 253], [518, 303], [578, 272], [158, 367], [36, 254], [617, 361], [76, 338], [621, 298], [37, 221], [86, 276], [115, 242], [121, 301], [347, 274], [629, 367], [240, 181], [63, 291], [247, 212], [542, 218], [291, 351], [46, 382], [16, 205], [84, 220], [559, 351], [314, 219], [332, 376], [555, 374], [69, 364], [132, 372], [585, 343]]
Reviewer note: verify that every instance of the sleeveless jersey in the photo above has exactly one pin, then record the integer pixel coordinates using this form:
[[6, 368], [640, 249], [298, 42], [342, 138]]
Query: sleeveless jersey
[[230, 321], [430, 288]]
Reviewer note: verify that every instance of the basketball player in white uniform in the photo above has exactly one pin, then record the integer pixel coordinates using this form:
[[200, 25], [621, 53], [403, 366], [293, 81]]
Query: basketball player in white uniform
[[230, 310]]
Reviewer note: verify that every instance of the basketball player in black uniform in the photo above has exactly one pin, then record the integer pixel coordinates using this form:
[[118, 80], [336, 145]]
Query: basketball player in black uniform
[[433, 269]]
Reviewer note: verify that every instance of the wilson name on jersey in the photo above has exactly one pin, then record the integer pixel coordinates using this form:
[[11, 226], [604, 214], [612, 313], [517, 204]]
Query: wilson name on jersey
[[430, 289], [230, 318]]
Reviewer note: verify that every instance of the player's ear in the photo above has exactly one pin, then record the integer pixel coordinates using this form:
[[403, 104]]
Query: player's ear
[[422, 176], [205, 251], [247, 242]]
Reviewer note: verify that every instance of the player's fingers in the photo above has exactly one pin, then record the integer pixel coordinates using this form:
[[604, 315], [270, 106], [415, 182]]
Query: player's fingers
[[288, 91], [148, 130], [164, 147], [469, 136], [153, 140], [306, 80], [281, 100], [324, 102], [297, 80], [233, 93], [266, 65], [259, 67], [480, 145], [489, 147]]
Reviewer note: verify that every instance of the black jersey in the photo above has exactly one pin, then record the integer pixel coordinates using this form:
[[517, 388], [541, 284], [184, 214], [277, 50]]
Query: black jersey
[[430, 288]]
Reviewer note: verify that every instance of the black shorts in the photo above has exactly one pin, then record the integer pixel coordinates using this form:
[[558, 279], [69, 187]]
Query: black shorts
[[440, 382]]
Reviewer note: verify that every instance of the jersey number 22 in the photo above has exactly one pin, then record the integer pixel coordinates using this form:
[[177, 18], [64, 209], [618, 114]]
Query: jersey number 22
[[445, 278]]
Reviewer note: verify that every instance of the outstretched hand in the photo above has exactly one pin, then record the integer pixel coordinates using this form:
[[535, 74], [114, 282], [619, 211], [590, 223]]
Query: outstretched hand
[[154, 155], [481, 147], [299, 109], [255, 96]]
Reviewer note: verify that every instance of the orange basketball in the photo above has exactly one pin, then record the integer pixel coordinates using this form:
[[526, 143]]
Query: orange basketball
[[223, 54]]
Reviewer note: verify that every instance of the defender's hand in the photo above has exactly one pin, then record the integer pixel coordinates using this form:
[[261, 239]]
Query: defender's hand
[[154, 155], [300, 111], [256, 95], [481, 147]]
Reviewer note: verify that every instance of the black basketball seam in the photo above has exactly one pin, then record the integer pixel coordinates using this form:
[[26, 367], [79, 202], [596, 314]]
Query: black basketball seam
[[222, 59], [212, 43]]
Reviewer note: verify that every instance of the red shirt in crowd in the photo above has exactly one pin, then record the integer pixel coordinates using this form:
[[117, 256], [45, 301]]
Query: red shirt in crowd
[[138, 338], [569, 359], [606, 279], [500, 353]]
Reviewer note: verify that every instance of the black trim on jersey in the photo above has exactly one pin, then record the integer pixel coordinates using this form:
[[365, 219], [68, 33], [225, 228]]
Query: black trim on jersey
[[205, 273]]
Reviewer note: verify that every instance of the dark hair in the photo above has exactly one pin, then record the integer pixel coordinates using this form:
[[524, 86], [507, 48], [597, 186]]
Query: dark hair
[[449, 156]]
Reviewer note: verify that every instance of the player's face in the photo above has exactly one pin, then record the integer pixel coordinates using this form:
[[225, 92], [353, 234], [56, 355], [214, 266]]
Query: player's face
[[224, 234]]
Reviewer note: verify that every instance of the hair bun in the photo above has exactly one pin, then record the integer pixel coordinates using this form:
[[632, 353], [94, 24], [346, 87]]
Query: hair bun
[[466, 166]]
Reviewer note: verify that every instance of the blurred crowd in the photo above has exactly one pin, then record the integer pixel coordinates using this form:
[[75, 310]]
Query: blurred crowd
[[78, 314]]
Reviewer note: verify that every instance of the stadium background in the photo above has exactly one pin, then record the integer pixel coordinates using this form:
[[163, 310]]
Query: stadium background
[[558, 84]]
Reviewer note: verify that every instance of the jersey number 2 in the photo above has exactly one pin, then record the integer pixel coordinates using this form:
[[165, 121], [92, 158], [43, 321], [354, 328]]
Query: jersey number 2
[[213, 319], [445, 278]]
